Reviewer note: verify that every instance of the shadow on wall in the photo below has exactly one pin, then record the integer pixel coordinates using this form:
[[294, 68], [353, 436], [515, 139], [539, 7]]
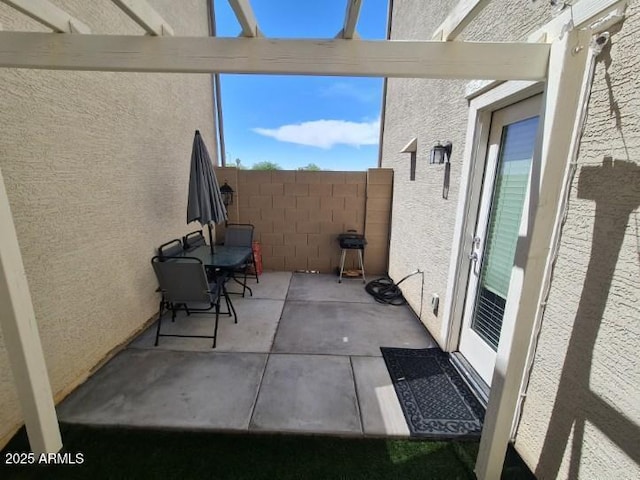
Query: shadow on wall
[[614, 187]]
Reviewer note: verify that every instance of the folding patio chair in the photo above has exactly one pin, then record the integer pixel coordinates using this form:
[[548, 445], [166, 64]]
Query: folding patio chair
[[241, 235], [193, 240], [183, 281], [171, 248]]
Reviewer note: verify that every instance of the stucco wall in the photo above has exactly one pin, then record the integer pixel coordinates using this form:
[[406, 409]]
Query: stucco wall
[[432, 111], [422, 221], [96, 167], [594, 306], [585, 385]]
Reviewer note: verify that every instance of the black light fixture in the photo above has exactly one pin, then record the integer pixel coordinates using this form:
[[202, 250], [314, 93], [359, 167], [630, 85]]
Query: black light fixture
[[227, 194], [440, 153]]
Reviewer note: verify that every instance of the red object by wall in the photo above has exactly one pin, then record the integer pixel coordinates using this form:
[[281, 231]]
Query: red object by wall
[[257, 254]]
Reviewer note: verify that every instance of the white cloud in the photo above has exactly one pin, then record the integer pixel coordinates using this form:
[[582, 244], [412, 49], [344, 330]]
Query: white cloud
[[345, 89], [326, 133]]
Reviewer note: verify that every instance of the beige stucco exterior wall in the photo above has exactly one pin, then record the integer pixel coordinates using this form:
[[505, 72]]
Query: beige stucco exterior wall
[[422, 221], [432, 111], [586, 362], [96, 167], [586, 366]]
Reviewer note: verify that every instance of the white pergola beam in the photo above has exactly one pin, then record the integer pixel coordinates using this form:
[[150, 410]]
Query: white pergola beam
[[22, 341], [576, 16], [461, 16], [144, 15], [461, 60], [244, 14], [46, 13], [351, 19]]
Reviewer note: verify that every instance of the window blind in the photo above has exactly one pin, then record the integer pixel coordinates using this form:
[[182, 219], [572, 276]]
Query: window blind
[[510, 188]]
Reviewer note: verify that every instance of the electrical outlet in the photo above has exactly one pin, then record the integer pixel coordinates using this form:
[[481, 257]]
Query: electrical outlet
[[435, 302]]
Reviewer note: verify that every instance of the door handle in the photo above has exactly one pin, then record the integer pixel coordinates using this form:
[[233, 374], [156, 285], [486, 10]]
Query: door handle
[[473, 256]]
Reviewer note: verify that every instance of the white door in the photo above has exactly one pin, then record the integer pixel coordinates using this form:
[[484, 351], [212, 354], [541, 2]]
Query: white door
[[504, 192]]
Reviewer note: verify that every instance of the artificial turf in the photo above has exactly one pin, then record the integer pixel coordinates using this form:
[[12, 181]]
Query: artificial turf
[[119, 453]]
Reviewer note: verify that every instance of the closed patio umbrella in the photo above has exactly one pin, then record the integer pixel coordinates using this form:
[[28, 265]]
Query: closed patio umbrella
[[205, 201]]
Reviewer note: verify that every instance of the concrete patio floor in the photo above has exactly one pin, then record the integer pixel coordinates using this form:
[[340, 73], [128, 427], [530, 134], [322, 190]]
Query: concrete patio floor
[[304, 357]]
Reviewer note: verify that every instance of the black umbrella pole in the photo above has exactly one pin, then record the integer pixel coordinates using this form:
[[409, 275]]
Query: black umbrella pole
[[210, 238]]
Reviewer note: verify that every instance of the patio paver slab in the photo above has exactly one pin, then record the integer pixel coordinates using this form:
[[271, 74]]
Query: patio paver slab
[[379, 405], [307, 393], [165, 389], [273, 286], [254, 332], [340, 328], [324, 372], [325, 288]]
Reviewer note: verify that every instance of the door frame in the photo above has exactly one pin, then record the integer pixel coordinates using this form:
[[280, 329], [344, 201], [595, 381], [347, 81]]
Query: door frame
[[481, 109], [477, 351]]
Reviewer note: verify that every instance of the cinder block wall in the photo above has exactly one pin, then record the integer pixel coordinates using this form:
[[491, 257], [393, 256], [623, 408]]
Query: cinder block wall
[[378, 219], [298, 215]]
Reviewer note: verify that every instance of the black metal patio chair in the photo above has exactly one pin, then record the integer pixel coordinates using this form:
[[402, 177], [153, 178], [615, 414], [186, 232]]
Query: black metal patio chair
[[196, 239], [183, 284], [241, 235], [171, 248], [193, 240]]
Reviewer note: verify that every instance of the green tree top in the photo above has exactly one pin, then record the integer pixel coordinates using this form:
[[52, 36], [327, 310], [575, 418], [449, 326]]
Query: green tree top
[[312, 167], [266, 166]]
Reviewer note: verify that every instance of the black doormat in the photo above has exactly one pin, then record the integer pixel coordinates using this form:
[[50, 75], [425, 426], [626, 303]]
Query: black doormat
[[435, 400]]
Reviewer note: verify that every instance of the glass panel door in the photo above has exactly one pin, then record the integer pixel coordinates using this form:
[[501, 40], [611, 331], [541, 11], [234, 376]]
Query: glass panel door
[[512, 180], [504, 194]]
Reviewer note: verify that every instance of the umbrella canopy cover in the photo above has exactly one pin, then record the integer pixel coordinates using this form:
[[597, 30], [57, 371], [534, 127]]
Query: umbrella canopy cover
[[205, 203]]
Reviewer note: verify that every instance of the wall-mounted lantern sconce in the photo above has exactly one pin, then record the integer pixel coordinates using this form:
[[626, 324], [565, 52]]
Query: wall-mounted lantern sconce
[[440, 153], [412, 148], [227, 194]]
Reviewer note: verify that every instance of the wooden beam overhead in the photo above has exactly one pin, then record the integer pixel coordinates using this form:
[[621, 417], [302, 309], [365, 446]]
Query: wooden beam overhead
[[244, 14], [351, 19], [144, 15], [408, 59], [46, 13], [579, 15], [461, 16]]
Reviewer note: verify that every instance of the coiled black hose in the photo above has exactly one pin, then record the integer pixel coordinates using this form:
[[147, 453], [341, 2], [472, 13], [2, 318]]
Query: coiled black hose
[[383, 290]]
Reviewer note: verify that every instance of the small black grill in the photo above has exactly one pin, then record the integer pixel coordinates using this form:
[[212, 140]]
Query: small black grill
[[352, 240]]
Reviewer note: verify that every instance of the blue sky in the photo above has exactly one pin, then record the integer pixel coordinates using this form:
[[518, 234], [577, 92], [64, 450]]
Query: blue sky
[[294, 120]]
